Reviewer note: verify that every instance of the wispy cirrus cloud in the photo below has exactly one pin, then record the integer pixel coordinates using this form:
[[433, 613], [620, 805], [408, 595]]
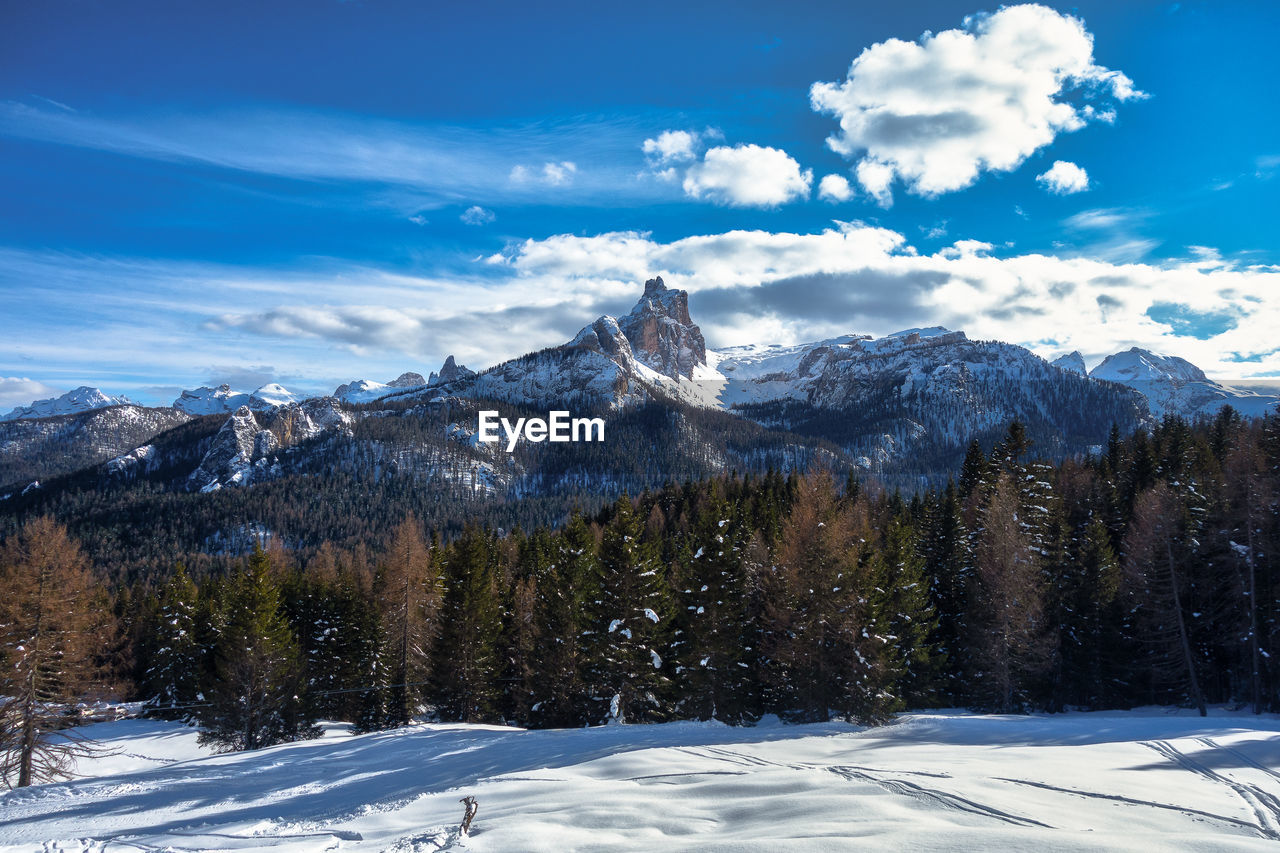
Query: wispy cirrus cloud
[[448, 163]]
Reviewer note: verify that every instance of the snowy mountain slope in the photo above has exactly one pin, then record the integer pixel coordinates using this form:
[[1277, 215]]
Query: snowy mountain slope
[[211, 401], [82, 399], [920, 393], [1141, 780], [247, 447], [1072, 361], [366, 390], [1175, 386], [269, 396], [42, 448]]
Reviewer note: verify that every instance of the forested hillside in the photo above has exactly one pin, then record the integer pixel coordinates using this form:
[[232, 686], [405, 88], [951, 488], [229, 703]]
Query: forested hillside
[[1146, 574]]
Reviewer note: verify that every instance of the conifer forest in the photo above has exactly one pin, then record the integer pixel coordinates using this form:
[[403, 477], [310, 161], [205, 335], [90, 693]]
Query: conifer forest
[[1144, 574]]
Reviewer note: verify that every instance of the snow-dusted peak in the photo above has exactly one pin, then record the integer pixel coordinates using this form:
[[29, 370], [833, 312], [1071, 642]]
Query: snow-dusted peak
[[269, 396], [662, 334], [1140, 365], [604, 336], [210, 401], [450, 371], [408, 380], [361, 391], [82, 399], [930, 332], [1072, 361]]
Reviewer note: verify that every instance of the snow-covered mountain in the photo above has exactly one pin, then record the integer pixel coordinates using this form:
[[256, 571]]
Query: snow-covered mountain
[[1175, 386], [918, 394], [1072, 361], [246, 448], [904, 405], [269, 396], [211, 401], [364, 391], [42, 448], [82, 399]]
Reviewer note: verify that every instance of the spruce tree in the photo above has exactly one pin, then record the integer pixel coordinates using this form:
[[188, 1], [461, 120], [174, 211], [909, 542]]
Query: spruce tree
[[172, 678], [628, 614], [257, 697], [466, 668]]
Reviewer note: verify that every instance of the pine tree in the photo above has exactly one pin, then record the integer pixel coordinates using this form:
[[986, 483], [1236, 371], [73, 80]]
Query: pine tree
[[256, 698], [172, 680], [466, 669], [903, 617], [714, 649], [560, 612], [627, 610], [1157, 588], [51, 631]]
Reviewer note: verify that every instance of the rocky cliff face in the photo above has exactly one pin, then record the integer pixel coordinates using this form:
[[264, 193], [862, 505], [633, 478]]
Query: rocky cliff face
[[662, 334], [450, 371]]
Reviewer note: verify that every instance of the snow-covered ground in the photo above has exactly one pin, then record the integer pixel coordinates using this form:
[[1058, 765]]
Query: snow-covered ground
[[1142, 780]]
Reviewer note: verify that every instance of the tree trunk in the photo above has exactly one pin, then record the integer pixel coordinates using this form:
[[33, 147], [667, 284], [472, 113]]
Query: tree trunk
[[1187, 657]]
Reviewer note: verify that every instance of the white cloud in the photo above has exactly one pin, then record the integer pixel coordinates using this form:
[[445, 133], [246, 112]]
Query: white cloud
[[1064, 178], [406, 165], [759, 286], [21, 391], [937, 113], [672, 146], [558, 174], [834, 188], [477, 215], [747, 176], [552, 174]]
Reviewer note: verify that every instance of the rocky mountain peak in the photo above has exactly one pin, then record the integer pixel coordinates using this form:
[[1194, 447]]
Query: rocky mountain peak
[[605, 336], [450, 371], [1072, 361], [662, 334], [408, 380]]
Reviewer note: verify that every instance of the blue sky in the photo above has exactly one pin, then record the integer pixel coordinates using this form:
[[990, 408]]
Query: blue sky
[[316, 192]]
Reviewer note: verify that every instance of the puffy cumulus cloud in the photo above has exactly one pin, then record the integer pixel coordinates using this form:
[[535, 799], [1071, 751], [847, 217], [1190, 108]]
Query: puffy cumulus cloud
[[18, 391], [747, 176], [672, 146], [759, 286], [939, 112], [552, 174], [1064, 178], [477, 215], [834, 188]]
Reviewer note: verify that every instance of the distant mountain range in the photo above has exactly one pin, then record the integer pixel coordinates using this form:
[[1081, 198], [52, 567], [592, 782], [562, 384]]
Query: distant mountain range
[[901, 408]]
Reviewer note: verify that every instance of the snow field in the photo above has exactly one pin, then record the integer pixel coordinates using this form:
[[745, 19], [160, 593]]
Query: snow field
[[1145, 780]]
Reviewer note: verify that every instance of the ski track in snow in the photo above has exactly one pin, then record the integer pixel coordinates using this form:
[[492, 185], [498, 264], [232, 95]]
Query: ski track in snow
[[1264, 805], [1144, 780]]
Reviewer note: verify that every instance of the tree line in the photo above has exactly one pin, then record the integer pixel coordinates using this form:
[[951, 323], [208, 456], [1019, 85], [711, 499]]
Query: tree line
[[1143, 574]]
